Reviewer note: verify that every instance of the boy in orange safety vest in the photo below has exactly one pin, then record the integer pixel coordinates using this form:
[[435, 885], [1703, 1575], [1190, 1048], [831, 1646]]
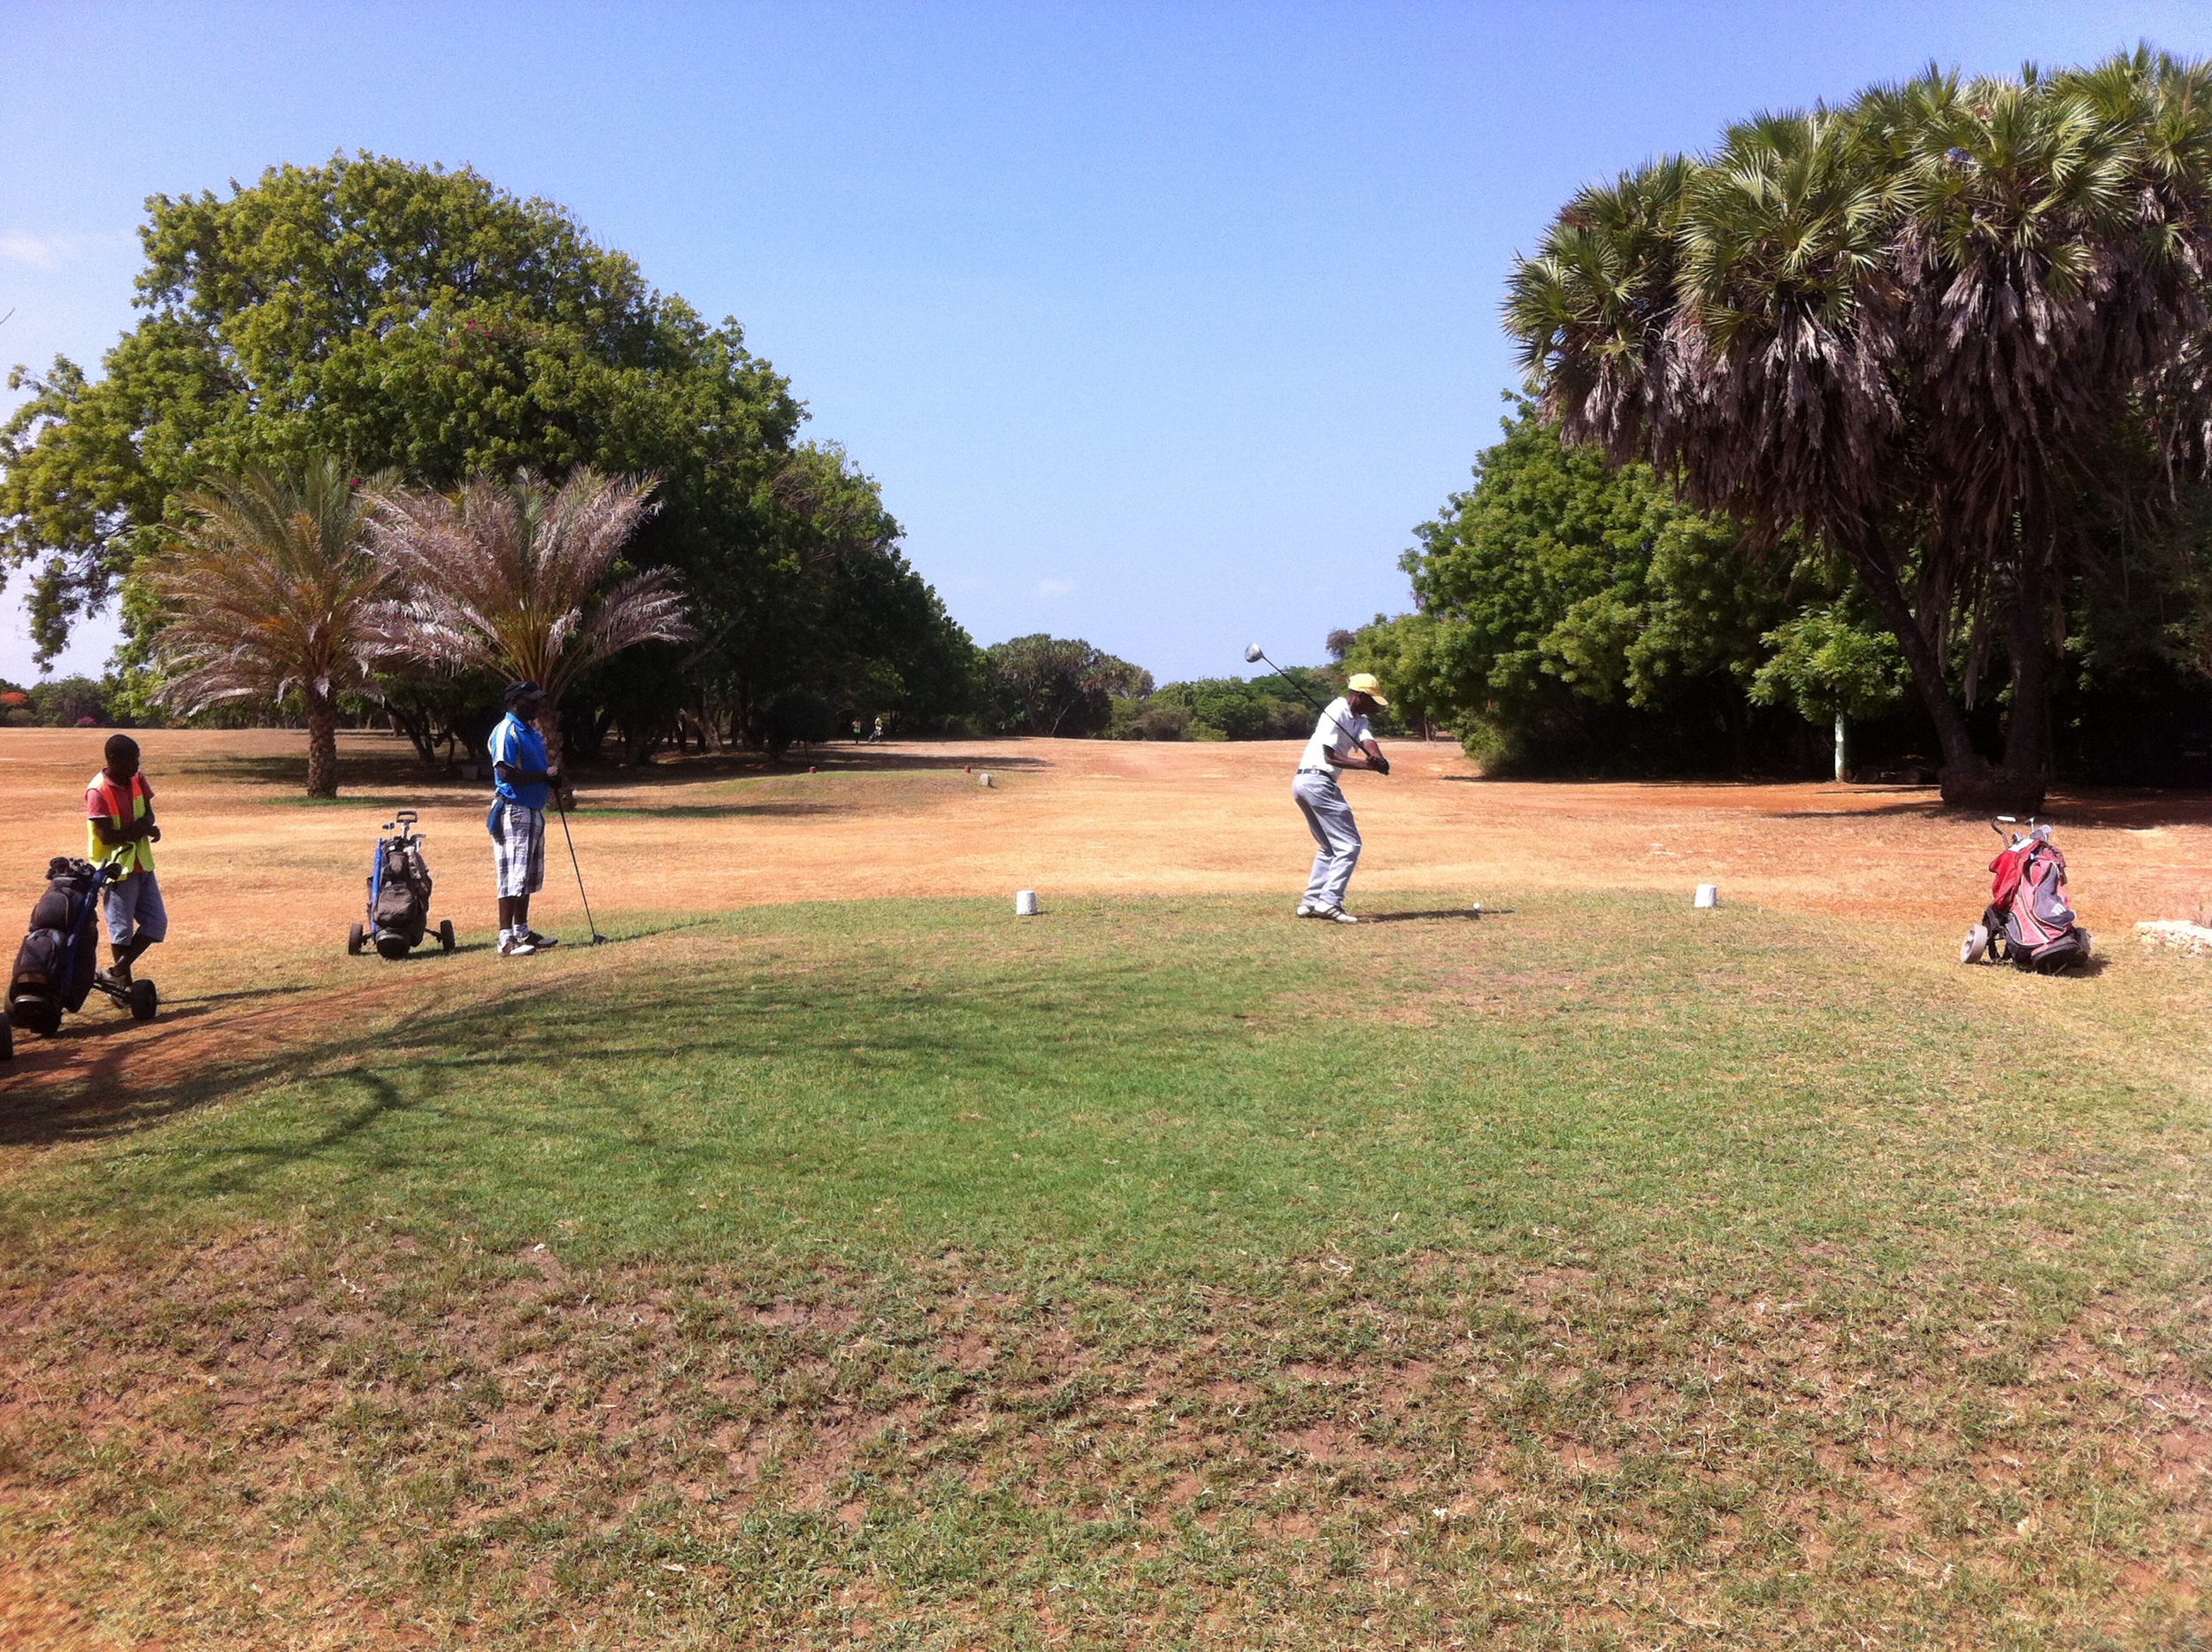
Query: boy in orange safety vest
[[120, 833]]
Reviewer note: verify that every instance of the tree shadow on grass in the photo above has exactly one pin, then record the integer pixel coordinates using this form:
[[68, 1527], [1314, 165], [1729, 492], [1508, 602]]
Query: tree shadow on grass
[[210, 1000], [766, 810], [399, 769], [605, 1023], [1924, 806], [445, 793], [404, 782], [830, 759], [2131, 811]]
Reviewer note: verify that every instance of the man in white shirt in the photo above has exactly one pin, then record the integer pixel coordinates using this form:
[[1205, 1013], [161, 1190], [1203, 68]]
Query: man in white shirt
[[1339, 742]]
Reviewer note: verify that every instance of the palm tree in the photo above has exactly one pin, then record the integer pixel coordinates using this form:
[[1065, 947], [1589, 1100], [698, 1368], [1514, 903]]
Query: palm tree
[[1713, 317], [506, 576], [271, 593], [2027, 324], [1911, 323], [2168, 106], [1592, 311]]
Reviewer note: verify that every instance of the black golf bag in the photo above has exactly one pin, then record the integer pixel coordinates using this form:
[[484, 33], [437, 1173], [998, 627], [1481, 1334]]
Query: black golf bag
[[53, 967], [399, 896]]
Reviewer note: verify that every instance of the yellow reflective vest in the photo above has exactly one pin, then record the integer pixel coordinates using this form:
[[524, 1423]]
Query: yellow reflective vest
[[105, 797]]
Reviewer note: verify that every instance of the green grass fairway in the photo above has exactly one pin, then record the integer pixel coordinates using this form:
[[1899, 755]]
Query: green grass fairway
[[1159, 1273]]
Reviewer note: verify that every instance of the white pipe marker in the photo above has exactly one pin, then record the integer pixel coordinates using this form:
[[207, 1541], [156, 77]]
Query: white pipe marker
[[1024, 903], [1708, 895]]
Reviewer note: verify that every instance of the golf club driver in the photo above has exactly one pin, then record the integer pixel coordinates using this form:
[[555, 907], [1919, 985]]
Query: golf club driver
[[563, 810], [1257, 656]]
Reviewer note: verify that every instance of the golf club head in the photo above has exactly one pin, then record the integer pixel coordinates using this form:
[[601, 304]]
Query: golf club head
[[1254, 654]]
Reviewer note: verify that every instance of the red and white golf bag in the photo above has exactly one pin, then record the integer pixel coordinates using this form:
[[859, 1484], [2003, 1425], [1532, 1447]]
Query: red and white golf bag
[[2029, 922]]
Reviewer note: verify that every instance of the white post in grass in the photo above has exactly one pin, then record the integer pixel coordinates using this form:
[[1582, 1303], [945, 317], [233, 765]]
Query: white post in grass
[[1842, 768]]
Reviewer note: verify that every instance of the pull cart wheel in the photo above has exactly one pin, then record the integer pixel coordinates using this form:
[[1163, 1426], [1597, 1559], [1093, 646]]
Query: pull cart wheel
[[445, 935], [353, 940], [144, 1000]]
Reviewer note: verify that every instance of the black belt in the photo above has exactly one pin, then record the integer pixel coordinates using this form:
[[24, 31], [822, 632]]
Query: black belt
[[1330, 772]]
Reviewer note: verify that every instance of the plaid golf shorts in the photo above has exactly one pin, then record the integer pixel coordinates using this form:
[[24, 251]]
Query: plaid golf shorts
[[518, 849]]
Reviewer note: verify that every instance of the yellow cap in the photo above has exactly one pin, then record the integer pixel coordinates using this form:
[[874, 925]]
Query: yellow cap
[[1364, 682]]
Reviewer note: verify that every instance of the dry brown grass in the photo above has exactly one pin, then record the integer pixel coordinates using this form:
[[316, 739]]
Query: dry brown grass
[[332, 1444]]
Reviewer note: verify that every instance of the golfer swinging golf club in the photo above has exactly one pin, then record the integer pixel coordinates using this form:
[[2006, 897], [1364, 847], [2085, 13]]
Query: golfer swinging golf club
[[1340, 740]]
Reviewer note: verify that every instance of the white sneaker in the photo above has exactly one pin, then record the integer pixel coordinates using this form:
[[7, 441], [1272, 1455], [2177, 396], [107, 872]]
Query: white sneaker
[[516, 947], [1334, 915], [1305, 910]]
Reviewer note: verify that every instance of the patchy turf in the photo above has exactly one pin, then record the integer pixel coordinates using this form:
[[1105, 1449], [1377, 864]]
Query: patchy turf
[[1159, 1273]]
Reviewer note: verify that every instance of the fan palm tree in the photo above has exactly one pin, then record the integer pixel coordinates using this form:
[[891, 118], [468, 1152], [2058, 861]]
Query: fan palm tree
[[1914, 321], [1592, 311], [1714, 318], [2031, 309], [506, 576], [2166, 105], [270, 593]]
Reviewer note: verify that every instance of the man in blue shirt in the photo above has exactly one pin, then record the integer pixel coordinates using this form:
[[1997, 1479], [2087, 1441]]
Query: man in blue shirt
[[523, 782]]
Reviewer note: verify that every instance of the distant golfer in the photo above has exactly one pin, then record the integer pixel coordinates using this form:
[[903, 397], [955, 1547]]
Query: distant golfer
[[1339, 742], [119, 831], [523, 783]]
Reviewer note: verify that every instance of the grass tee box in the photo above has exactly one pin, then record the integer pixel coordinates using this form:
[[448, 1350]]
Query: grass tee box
[[1606, 1274]]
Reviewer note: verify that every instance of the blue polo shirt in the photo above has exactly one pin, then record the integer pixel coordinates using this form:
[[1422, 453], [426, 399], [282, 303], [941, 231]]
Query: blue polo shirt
[[521, 748]]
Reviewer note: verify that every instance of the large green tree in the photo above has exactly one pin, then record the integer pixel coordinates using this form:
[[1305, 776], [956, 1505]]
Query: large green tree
[[849, 622], [426, 321], [1059, 686], [1559, 592]]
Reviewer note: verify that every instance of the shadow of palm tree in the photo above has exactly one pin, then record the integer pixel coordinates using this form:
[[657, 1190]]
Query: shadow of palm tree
[[400, 779], [829, 759], [597, 1022]]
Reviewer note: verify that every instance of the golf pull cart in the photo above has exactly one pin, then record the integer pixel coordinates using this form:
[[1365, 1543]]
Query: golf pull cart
[[56, 968], [398, 918]]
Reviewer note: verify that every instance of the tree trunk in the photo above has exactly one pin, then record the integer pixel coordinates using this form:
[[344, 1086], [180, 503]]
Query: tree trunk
[[2019, 598], [322, 746], [419, 731], [1967, 779], [549, 726]]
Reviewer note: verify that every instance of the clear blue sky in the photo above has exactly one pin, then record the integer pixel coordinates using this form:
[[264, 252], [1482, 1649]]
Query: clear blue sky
[[1161, 325]]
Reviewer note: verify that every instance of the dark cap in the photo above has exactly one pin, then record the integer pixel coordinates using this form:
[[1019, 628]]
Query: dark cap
[[519, 692]]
